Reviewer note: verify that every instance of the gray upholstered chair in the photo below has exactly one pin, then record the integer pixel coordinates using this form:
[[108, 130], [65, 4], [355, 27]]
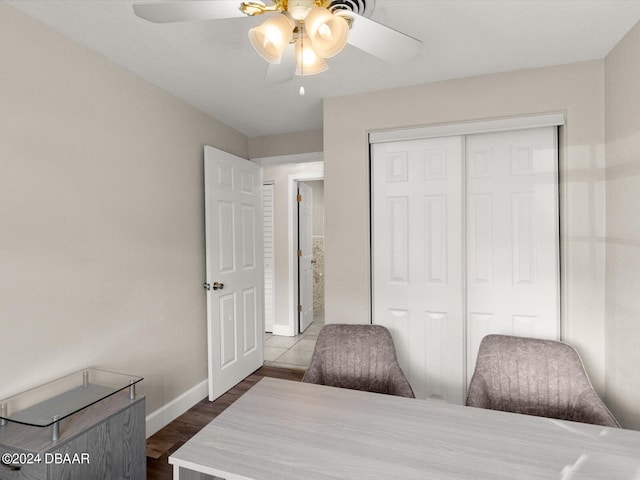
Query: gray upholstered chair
[[360, 357], [535, 377]]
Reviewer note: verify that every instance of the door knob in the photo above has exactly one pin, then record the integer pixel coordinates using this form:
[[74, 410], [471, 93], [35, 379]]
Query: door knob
[[218, 286]]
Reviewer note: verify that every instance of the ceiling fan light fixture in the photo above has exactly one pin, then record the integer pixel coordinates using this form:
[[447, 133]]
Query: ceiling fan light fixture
[[271, 37], [309, 62], [328, 32], [299, 34]]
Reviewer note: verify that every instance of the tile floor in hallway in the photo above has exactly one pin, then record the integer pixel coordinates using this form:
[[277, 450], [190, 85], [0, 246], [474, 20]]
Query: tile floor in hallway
[[292, 352]]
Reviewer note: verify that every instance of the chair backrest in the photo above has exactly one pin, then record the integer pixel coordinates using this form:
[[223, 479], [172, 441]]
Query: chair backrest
[[360, 357], [535, 377]]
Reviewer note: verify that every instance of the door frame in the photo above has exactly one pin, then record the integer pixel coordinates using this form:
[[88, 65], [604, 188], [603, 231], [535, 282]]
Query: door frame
[[311, 158], [292, 186]]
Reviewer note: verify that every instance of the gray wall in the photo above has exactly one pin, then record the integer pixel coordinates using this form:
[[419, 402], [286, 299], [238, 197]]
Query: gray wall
[[101, 210], [286, 144], [622, 299], [577, 89]]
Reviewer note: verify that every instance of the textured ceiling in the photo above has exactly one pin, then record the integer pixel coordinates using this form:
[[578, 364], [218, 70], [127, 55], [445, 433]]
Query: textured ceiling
[[211, 65]]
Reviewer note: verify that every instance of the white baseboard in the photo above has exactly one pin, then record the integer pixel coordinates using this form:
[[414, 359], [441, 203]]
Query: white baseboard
[[176, 407], [282, 330]]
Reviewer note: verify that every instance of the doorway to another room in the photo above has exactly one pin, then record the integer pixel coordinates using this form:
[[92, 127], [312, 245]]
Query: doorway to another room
[[311, 255], [294, 241]]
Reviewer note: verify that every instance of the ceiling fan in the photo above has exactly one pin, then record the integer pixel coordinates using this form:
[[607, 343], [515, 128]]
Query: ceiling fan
[[298, 35]]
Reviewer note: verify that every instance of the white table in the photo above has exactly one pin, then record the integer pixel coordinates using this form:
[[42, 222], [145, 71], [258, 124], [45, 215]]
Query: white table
[[284, 430]]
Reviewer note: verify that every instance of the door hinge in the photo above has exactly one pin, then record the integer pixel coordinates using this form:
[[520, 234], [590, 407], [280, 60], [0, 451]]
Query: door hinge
[[299, 198], [299, 253], [300, 308]]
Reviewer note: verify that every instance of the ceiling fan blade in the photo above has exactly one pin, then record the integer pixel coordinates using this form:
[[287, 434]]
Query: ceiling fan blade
[[379, 40], [188, 10], [283, 71]]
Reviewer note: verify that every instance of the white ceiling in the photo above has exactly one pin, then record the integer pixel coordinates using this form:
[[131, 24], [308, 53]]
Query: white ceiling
[[211, 65]]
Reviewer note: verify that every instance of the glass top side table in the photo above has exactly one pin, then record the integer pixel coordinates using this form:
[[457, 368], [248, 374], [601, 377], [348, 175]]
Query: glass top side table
[[46, 405]]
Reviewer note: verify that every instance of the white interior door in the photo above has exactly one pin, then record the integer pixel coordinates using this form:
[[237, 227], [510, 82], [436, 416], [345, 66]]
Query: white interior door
[[305, 255], [512, 236], [417, 265], [234, 267], [464, 240], [269, 258]]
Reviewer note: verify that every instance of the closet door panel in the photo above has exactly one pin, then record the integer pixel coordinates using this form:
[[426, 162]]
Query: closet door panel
[[512, 236], [417, 260]]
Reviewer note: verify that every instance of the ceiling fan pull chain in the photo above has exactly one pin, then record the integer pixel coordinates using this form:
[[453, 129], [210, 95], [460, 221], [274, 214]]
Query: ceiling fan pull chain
[[302, 92]]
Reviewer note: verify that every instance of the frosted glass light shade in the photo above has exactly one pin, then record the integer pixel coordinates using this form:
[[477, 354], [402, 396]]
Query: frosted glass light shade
[[299, 9], [328, 32], [272, 37], [308, 61]]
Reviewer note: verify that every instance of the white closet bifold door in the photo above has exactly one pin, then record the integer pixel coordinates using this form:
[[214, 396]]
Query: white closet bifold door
[[512, 236], [464, 243], [269, 266], [417, 261]]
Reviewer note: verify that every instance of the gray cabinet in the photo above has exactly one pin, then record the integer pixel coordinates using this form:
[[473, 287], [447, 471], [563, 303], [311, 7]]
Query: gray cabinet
[[103, 440]]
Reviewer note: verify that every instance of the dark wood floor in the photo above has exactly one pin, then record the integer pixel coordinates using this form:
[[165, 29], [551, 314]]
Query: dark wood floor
[[166, 441]]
